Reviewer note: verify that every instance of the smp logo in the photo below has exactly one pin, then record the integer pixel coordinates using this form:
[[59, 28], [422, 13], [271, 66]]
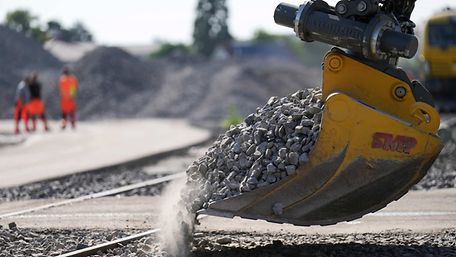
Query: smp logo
[[389, 142]]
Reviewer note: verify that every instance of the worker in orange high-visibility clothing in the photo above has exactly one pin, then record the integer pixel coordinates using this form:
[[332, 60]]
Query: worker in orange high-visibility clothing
[[68, 88], [35, 106], [21, 100]]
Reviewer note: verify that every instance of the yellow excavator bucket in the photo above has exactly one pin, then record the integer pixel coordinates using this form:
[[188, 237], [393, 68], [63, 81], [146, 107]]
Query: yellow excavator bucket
[[376, 141]]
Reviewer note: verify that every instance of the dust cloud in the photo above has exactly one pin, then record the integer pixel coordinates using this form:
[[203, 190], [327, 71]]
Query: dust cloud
[[176, 220]]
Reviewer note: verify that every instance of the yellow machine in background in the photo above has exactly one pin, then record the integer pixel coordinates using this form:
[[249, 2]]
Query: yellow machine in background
[[439, 52]]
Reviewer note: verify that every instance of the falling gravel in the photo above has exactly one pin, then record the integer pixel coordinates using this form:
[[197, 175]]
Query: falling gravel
[[266, 148]]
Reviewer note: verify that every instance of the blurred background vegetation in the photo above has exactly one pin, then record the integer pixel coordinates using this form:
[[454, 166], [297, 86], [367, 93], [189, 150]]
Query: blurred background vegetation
[[25, 22]]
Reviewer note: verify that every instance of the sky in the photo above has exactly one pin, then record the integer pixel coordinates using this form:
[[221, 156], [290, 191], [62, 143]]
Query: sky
[[141, 22]]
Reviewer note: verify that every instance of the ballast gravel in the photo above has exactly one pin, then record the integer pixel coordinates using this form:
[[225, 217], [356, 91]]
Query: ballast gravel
[[19, 242], [231, 244], [270, 145], [442, 174], [81, 184], [266, 148]]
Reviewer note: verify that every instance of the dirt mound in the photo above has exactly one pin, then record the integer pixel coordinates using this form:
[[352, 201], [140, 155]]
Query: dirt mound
[[19, 56], [115, 84]]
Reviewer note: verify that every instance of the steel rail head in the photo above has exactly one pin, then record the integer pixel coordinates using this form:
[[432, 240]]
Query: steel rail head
[[109, 245]]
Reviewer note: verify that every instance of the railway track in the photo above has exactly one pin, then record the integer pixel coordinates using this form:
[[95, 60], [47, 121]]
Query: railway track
[[122, 242], [125, 241], [111, 192], [146, 187], [109, 245], [103, 247]]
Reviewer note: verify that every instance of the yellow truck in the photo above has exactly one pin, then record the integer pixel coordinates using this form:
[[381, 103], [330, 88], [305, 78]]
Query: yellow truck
[[439, 52]]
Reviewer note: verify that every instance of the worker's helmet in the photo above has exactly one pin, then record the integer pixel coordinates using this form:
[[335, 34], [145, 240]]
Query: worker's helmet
[[66, 70], [34, 76]]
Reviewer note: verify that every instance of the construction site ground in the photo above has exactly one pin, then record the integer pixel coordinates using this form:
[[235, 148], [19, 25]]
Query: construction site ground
[[93, 145], [422, 223], [418, 211]]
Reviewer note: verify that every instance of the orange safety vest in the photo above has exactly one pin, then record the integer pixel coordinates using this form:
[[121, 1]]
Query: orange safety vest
[[68, 87]]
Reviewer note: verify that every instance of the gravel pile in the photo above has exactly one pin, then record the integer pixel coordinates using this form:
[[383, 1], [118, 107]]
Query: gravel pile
[[21, 53], [206, 91], [19, 56], [443, 172], [81, 184], [115, 84], [266, 148]]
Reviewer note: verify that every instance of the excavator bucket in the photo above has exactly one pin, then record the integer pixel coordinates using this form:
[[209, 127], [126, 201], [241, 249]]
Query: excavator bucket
[[373, 147]]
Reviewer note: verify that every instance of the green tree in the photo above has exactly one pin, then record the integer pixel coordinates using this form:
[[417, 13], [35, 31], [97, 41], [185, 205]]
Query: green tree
[[77, 33], [54, 28], [167, 49], [23, 21], [210, 28], [20, 20], [39, 34]]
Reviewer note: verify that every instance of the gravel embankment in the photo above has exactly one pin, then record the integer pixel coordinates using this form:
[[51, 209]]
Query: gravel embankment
[[115, 84], [86, 183], [81, 184], [47, 242], [443, 172], [25, 242], [20, 55]]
